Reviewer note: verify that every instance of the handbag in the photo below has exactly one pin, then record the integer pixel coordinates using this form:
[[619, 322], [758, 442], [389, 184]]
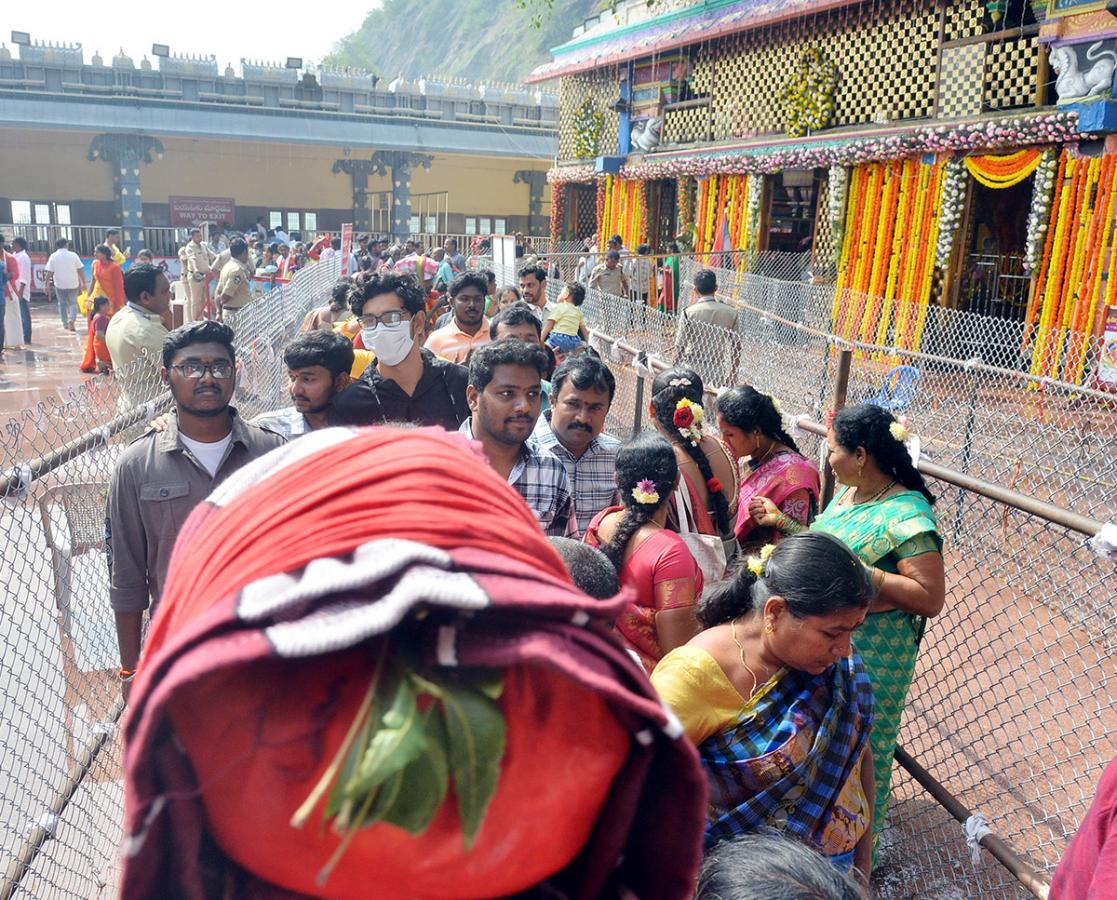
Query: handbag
[[708, 550]]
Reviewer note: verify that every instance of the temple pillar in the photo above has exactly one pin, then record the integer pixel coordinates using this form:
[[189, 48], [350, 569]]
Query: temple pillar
[[537, 185], [126, 153], [358, 170], [401, 164]]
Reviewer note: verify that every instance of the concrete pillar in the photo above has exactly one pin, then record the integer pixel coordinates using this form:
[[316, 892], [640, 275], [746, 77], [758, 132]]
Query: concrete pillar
[[358, 170], [126, 153], [537, 184], [400, 163]]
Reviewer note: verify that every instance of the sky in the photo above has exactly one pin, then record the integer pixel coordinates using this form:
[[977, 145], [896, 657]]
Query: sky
[[229, 30]]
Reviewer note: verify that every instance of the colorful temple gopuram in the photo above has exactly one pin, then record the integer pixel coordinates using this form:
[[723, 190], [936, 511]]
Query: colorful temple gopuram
[[950, 152]]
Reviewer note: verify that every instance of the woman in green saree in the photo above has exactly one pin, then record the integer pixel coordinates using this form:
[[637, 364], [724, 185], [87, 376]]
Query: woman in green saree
[[883, 514]]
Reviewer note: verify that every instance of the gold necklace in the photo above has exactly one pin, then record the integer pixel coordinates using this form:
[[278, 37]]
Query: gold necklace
[[741, 651]]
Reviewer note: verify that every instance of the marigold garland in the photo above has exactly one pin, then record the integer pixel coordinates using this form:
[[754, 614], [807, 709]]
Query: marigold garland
[[558, 210], [887, 261], [1080, 249], [1004, 171]]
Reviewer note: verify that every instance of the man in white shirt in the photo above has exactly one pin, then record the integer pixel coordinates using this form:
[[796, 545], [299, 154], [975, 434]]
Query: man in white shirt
[[67, 276], [23, 285]]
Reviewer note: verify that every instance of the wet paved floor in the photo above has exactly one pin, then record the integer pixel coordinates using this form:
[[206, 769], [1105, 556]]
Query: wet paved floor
[[39, 370]]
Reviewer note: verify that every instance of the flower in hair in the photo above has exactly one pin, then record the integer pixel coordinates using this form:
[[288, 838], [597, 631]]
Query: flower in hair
[[775, 403], [645, 492], [899, 432], [688, 418], [679, 382], [713, 485], [756, 563]]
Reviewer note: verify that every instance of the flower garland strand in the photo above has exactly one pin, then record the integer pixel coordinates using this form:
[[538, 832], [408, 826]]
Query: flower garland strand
[[558, 210], [838, 193], [950, 215], [1040, 211], [1004, 171], [1045, 128]]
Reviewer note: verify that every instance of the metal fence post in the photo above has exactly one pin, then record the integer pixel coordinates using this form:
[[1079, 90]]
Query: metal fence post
[[841, 388]]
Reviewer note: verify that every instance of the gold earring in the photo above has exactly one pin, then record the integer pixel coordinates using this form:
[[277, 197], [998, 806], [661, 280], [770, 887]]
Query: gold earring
[[768, 628]]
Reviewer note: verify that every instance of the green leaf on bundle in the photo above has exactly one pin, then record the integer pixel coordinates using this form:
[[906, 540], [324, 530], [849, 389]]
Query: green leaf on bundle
[[398, 740], [477, 734], [412, 797]]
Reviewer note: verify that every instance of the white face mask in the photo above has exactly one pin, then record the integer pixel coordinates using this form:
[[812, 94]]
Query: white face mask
[[390, 343]]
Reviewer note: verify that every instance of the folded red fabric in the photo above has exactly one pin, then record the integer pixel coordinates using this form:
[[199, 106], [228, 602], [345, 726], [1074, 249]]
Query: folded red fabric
[[282, 588]]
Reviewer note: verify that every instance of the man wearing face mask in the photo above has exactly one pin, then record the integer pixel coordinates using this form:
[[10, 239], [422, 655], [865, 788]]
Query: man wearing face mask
[[406, 383]]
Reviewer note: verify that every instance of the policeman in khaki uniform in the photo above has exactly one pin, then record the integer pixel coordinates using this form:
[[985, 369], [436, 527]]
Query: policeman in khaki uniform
[[199, 267], [234, 286]]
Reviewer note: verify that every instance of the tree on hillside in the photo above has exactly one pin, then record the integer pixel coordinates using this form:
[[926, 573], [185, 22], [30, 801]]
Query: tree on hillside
[[461, 38]]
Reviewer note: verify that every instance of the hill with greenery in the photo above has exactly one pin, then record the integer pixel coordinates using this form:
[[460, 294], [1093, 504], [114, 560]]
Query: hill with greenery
[[490, 40]]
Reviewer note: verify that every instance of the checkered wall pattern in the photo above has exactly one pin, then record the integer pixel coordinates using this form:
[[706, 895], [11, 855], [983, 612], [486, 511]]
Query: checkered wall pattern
[[1011, 72], [964, 19], [825, 249], [886, 59], [961, 81], [602, 86]]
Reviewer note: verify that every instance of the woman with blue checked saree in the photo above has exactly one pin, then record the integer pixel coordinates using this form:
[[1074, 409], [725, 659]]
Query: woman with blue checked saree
[[776, 699]]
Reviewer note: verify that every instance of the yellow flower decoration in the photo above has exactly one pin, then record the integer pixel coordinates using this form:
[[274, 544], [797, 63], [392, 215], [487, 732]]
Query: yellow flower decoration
[[775, 403], [899, 432], [688, 418], [756, 563], [645, 492]]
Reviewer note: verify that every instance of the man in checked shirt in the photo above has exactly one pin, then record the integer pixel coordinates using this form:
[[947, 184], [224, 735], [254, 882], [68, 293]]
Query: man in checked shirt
[[582, 390], [504, 396]]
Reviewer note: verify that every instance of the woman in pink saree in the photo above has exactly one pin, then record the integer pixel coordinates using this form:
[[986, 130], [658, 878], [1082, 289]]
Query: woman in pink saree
[[752, 428]]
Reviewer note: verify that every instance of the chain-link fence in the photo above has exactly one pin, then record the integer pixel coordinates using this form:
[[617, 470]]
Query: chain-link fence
[[61, 800], [1013, 709]]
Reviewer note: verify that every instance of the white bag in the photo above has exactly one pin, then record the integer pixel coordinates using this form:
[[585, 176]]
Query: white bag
[[708, 550]]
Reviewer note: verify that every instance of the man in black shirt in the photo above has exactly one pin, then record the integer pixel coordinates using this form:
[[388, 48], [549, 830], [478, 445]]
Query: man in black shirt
[[406, 383]]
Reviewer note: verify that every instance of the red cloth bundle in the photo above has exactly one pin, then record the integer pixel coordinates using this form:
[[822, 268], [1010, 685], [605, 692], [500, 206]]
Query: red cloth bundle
[[282, 589]]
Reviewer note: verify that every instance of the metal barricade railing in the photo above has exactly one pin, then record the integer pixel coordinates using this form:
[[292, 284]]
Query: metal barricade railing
[[1011, 714], [61, 796], [1012, 710]]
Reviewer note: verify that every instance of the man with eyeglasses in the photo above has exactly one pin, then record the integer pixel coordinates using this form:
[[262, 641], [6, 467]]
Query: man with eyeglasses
[[164, 474], [406, 383]]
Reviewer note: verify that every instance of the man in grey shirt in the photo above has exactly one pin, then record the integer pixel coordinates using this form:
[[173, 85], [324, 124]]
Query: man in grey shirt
[[706, 339], [163, 475]]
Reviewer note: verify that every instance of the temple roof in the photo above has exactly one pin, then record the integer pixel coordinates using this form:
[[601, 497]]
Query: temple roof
[[699, 22]]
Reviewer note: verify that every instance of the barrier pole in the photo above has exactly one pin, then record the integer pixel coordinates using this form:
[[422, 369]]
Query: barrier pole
[[42, 830], [1036, 883], [841, 389]]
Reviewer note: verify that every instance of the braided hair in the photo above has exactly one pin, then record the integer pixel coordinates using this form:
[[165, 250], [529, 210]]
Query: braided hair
[[813, 571], [747, 409], [646, 456], [668, 389], [870, 427]]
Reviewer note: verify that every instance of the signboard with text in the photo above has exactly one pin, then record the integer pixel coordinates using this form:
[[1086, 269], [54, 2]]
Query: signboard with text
[[1107, 362], [346, 247], [1071, 7], [187, 211]]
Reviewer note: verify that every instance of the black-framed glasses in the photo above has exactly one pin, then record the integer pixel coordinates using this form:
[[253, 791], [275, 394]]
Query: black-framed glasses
[[391, 317], [220, 370]]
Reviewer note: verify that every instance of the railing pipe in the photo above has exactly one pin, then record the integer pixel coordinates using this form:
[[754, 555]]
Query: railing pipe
[[1036, 883]]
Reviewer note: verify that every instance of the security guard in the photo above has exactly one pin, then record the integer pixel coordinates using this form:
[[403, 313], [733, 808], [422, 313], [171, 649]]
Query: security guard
[[234, 286], [199, 268]]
